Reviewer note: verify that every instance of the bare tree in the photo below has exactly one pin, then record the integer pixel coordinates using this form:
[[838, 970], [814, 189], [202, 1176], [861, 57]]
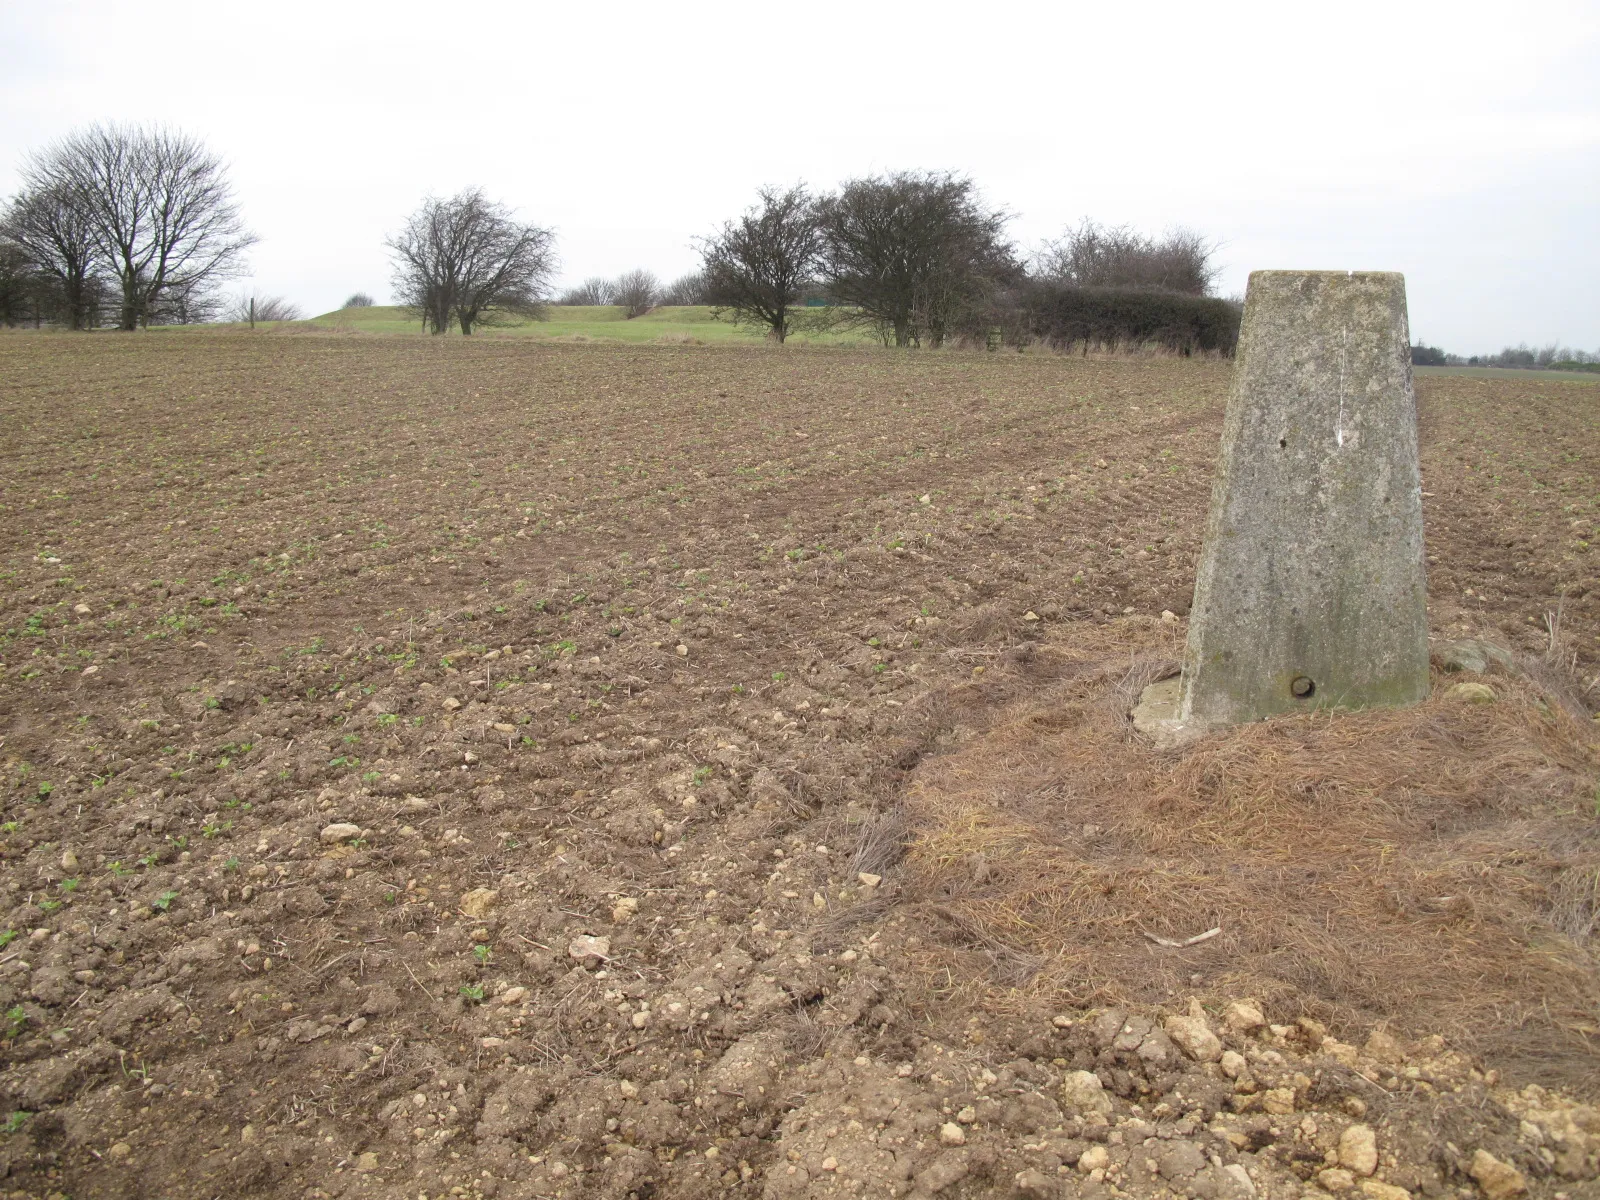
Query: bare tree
[[1094, 255], [50, 226], [758, 266], [186, 304], [249, 307], [19, 286], [636, 291], [593, 291], [913, 252], [686, 290], [160, 206], [468, 258], [358, 300]]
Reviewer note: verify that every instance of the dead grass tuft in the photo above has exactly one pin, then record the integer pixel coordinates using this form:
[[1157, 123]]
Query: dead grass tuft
[[1435, 868]]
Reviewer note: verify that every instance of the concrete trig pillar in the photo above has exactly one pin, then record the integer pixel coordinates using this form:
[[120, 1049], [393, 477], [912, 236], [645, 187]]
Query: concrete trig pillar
[[1311, 591]]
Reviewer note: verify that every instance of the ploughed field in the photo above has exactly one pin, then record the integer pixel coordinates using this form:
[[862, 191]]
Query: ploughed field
[[481, 767]]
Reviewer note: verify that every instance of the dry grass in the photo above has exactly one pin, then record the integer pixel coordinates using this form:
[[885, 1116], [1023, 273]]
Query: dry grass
[[1433, 868]]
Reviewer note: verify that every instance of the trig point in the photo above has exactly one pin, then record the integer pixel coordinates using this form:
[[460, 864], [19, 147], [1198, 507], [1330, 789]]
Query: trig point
[[1311, 590]]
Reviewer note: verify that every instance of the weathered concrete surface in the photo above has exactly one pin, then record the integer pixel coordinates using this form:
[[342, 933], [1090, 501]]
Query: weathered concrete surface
[[1311, 589], [1156, 715]]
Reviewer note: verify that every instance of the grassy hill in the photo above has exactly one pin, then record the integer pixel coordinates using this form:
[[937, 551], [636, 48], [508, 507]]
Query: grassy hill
[[579, 323]]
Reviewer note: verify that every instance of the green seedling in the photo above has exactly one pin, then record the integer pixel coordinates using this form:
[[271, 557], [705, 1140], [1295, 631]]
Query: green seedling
[[164, 901], [16, 1020], [231, 865], [16, 1121], [7, 938], [483, 954], [473, 993]]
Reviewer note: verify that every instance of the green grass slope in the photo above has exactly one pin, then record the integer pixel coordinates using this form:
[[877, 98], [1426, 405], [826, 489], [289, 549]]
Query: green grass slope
[[573, 323]]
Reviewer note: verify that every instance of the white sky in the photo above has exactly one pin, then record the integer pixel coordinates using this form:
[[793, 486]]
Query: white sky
[[1457, 142]]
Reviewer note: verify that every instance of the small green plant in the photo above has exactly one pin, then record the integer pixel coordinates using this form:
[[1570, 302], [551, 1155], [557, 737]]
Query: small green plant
[[231, 865], [387, 719], [483, 954], [7, 938], [779, 676], [49, 906], [141, 1072], [147, 860], [45, 789], [472, 993], [701, 774], [16, 1121], [10, 827], [118, 870], [164, 901], [69, 885], [16, 1020], [370, 777]]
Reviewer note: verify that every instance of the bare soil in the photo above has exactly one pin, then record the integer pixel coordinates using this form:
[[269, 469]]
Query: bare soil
[[491, 769]]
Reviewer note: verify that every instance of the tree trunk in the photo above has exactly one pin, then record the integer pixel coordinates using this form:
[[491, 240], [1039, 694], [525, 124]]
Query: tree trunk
[[781, 326]]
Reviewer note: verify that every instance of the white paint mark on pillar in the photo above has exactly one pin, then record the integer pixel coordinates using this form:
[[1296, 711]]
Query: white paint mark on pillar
[[1344, 358]]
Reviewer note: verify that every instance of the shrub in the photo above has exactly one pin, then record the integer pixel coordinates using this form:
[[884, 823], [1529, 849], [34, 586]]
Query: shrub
[[359, 300], [685, 290], [593, 291], [1066, 316], [636, 291]]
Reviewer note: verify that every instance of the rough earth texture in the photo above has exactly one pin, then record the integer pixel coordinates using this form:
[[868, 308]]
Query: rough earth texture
[[472, 769]]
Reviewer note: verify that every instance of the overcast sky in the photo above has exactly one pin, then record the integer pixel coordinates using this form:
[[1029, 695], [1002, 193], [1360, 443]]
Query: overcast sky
[[1457, 142]]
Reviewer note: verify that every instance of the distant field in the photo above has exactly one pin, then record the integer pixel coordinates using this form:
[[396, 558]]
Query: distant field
[[1507, 373], [581, 323]]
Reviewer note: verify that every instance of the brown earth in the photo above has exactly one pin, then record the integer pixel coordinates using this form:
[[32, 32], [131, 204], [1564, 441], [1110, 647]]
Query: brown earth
[[737, 792]]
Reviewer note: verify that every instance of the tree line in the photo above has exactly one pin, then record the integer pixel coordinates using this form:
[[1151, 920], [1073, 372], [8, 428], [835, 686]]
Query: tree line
[[132, 225], [916, 256], [121, 223], [1554, 356]]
